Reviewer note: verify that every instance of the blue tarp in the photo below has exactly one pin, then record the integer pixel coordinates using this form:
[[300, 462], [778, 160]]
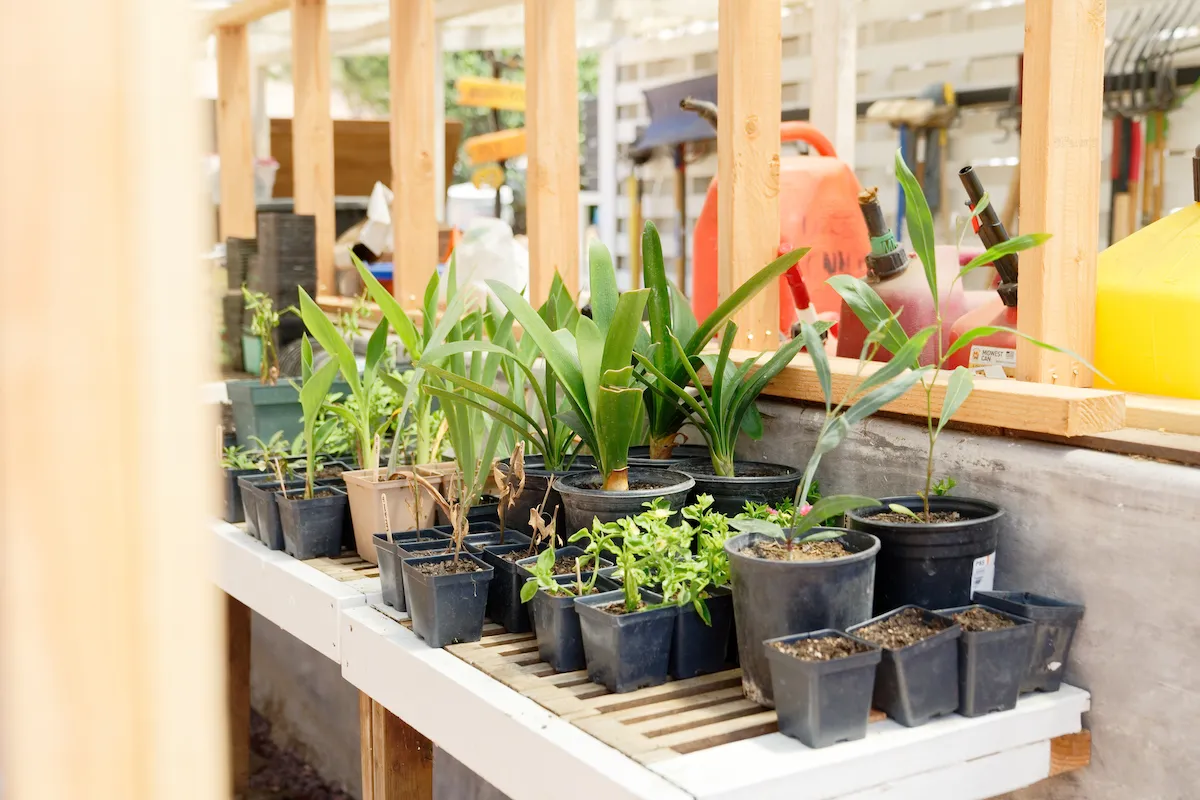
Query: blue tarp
[[670, 124]]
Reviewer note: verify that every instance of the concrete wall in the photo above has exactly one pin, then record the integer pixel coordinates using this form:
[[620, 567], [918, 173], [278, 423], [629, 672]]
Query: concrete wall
[[1119, 533]]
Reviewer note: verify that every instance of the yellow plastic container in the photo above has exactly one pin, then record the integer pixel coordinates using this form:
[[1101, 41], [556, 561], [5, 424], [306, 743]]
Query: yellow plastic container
[[1148, 309]]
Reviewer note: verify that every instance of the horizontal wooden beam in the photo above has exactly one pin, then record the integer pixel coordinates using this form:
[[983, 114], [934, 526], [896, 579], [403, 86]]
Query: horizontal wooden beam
[[1010, 404], [1070, 752], [1167, 414], [242, 13]]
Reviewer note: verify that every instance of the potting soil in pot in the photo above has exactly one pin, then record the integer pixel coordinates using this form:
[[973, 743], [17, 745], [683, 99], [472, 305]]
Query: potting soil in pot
[[900, 630], [776, 550], [447, 567], [828, 648], [978, 619]]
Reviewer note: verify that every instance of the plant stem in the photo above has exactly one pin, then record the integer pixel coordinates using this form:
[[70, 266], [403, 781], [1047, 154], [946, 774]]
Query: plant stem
[[617, 480], [932, 442], [663, 447], [722, 464]]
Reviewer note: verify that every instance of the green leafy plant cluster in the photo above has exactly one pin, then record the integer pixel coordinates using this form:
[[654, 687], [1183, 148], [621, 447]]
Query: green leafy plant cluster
[[241, 458], [263, 322]]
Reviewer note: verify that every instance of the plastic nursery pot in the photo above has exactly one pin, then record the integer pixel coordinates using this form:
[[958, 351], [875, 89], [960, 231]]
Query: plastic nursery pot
[[991, 664], [504, 606], [584, 500], [556, 624], [446, 609], [486, 511], [260, 410], [916, 683], [606, 567], [234, 510], [625, 652], [639, 456], [755, 481], [472, 527], [250, 499], [537, 478], [697, 648], [1054, 622], [390, 576], [936, 565], [473, 544], [366, 507], [261, 493], [780, 598], [312, 528], [823, 702]]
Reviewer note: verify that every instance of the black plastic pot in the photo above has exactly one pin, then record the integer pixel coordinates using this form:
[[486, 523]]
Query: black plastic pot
[[261, 496], [312, 528], [504, 606], [755, 481], [556, 624], [481, 513], [639, 456], [391, 576], [606, 566], [235, 510], [917, 683], [473, 544], [991, 664], [1054, 622], [625, 652], [780, 598], [584, 500], [250, 499], [934, 565], [697, 648], [823, 702], [446, 609], [537, 478], [473, 526]]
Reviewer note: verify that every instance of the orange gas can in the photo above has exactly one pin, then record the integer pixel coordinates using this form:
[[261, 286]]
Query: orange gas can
[[818, 208]]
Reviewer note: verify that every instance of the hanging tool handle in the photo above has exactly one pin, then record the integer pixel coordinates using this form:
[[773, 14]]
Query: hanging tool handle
[[805, 132]]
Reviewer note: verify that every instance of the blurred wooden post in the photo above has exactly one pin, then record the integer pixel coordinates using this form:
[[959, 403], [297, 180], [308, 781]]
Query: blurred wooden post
[[749, 52], [834, 74], [237, 690], [552, 124], [235, 136], [111, 669], [412, 74], [397, 761], [312, 129], [1060, 185]]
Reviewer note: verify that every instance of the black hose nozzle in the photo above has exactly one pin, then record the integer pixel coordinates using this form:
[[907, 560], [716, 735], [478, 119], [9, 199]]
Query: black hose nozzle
[[992, 233]]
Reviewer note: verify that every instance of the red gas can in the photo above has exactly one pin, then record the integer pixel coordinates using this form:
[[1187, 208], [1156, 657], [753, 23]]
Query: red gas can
[[818, 208]]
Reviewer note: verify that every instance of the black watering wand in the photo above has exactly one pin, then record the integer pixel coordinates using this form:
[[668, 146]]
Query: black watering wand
[[992, 232]]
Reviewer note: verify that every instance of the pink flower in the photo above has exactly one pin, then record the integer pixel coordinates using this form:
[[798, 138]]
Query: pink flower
[[805, 508]]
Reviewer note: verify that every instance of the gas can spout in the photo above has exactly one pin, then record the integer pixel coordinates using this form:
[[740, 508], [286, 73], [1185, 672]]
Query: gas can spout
[[992, 232], [706, 110], [886, 257], [1196, 175]]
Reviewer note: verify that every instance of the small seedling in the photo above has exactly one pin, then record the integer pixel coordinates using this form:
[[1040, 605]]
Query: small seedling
[[240, 458], [944, 486]]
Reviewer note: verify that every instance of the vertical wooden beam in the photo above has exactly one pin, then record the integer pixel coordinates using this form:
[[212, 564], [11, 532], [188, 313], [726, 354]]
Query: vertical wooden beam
[[110, 673], [1060, 185], [411, 72], [237, 634], [606, 133], [235, 135], [439, 127], [749, 51], [552, 122], [834, 74], [397, 761], [312, 129]]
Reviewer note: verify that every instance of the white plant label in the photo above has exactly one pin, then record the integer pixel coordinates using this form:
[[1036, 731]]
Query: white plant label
[[983, 574], [990, 371], [983, 356]]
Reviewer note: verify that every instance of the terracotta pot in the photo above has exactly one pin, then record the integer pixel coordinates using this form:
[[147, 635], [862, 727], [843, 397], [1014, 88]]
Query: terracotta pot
[[366, 507]]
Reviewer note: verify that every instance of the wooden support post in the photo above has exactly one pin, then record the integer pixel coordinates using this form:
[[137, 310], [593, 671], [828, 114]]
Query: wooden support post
[[111, 672], [237, 633], [411, 71], [1060, 185], [312, 129], [835, 76], [397, 761], [552, 122], [235, 134], [749, 51]]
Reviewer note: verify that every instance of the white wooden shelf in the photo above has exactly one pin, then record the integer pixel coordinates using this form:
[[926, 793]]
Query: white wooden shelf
[[493, 729]]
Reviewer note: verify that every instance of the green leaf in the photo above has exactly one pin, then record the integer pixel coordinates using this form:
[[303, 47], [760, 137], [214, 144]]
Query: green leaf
[[603, 284], [328, 337], [485, 392], [529, 589], [906, 357], [1014, 245], [654, 273], [753, 285], [958, 388], [822, 536], [314, 391], [376, 349], [626, 322], [831, 436], [920, 224], [828, 507], [816, 351], [878, 398], [749, 391], [905, 511], [306, 359], [391, 310], [761, 526], [589, 343], [870, 309], [617, 420]]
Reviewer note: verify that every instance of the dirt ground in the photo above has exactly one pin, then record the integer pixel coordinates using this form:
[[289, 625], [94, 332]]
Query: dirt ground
[[278, 774]]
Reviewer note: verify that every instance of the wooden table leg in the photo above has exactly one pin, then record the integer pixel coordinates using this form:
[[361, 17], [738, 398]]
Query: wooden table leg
[[397, 761], [237, 620]]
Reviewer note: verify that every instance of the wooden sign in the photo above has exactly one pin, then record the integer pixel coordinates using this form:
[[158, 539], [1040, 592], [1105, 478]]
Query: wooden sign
[[490, 175], [490, 93], [495, 146]]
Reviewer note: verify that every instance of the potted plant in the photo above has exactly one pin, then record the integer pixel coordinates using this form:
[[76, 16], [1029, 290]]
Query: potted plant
[[312, 523], [262, 407], [627, 632], [594, 366], [936, 550], [237, 461], [723, 412], [780, 588], [993, 655], [822, 683], [258, 490], [917, 678], [671, 316], [550, 592]]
